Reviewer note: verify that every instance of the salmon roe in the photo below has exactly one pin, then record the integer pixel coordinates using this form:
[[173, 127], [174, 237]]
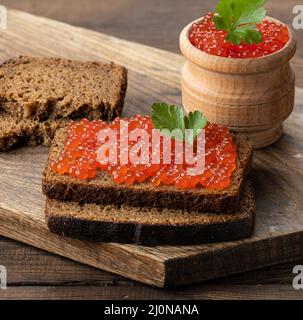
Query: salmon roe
[[79, 156], [206, 37]]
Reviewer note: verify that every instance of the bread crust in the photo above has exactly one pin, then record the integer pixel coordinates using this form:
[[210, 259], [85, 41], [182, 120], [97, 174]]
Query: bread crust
[[216, 228]]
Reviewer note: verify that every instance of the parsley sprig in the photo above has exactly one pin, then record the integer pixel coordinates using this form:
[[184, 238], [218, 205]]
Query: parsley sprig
[[171, 117], [240, 19]]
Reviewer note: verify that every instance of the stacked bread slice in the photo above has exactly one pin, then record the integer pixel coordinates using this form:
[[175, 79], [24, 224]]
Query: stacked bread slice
[[100, 210], [40, 95]]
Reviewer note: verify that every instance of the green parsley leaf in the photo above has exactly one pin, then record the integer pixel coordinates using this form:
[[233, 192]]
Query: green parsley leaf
[[195, 121], [171, 117], [240, 18]]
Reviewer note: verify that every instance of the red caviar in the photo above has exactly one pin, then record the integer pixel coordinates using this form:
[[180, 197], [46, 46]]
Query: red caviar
[[79, 156], [206, 37]]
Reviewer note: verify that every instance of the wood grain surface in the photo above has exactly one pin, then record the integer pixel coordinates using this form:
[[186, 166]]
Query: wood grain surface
[[34, 274], [29, 263]]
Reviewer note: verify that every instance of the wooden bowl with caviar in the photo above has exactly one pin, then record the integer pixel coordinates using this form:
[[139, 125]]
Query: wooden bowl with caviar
[[249, 88]]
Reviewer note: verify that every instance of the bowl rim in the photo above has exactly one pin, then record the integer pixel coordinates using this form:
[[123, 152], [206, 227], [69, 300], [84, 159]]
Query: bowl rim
[[206, 60]]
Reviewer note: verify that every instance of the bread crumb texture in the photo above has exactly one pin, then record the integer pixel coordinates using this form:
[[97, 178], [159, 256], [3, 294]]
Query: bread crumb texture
[[39, 95]]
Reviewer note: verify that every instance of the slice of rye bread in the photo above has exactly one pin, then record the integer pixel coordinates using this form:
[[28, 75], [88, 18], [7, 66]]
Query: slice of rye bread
[[14, 132], [52, 88], [103, 190], [150, 227]]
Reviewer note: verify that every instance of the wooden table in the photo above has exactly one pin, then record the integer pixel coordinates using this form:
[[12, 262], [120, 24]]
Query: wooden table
[[33, 273]]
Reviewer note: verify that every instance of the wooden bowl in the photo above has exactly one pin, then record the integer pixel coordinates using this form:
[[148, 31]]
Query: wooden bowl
[[253, 96]]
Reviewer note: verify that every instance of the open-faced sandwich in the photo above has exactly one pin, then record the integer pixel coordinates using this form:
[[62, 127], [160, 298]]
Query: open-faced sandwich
[[131, 181]]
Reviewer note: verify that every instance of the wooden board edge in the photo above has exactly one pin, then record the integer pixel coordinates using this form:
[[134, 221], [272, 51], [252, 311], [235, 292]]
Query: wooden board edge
[[133, 265], [249, 256]]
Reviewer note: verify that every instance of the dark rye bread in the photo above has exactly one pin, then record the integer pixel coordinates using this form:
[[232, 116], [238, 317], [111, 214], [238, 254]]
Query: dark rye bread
[[102, 190], [38, 95], [14, 131], [150, 227], [51, 88]]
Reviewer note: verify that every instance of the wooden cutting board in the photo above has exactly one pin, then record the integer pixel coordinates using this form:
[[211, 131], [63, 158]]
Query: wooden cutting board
[[154, 75]]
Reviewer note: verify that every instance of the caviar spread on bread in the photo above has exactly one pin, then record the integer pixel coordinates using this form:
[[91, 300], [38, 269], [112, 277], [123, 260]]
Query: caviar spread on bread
[[80, 157]]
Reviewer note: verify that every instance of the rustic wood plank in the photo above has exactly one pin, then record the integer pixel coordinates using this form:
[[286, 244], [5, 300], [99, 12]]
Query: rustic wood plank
[[87, 293], [277, 171], [206, 292], [27, 265], [252, 292]]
